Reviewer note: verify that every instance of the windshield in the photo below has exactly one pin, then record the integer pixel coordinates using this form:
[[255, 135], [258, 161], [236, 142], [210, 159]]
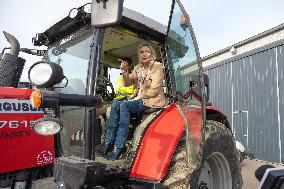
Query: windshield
[[72, 53]]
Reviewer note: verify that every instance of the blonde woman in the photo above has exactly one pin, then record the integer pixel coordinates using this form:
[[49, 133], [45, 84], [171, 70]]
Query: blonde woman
[[148, 78]]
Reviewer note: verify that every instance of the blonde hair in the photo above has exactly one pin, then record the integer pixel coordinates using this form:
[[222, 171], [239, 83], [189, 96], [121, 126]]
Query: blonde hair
[[153, 53]]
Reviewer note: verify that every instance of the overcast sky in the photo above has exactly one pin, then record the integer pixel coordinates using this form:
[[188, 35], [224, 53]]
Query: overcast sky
[[217, 23]]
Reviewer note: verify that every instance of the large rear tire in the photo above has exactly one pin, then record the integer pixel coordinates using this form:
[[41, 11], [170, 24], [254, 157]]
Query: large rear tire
[[220, 167]]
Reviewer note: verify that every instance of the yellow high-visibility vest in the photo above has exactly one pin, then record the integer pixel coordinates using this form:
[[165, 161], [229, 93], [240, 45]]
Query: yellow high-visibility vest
[[123, 92]]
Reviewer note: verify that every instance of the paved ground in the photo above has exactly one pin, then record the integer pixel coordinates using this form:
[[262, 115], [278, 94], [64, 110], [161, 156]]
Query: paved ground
[[248, 168]]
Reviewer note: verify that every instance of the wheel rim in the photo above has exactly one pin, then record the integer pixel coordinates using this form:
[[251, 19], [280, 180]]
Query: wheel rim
[[215, 173]]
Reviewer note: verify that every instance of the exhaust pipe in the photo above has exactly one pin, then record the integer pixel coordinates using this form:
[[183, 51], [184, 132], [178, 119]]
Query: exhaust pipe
[[15, 45], [11, 66]]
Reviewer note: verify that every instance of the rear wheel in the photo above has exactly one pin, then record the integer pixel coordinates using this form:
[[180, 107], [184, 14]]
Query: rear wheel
[[220, 166]]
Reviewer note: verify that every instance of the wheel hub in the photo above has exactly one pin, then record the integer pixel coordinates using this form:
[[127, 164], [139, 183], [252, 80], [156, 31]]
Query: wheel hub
[[215, 173]]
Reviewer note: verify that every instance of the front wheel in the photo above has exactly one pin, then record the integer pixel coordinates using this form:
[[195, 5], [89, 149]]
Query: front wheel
[[220, 167], [46, 183]]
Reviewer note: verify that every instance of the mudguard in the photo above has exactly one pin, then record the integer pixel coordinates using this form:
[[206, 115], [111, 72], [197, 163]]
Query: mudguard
[[213, 113], [158, 145]]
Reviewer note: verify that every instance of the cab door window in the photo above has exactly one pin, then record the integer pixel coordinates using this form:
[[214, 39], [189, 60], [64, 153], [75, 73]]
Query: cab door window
[[72, 54]]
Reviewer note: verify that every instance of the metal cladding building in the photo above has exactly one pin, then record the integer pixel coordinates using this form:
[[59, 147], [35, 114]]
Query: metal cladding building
[[247, 84]]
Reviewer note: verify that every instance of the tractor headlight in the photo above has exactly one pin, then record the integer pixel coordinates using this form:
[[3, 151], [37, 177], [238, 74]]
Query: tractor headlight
[[73, 13], [87, 8], [45, 74], [40, 73], [47, 126]]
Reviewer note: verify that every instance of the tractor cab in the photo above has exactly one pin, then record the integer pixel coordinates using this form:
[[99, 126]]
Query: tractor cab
[[73, 56], [73, 49], [79, 73]]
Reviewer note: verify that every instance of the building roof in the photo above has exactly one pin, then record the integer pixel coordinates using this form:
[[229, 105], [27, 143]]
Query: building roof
[[264, 38]]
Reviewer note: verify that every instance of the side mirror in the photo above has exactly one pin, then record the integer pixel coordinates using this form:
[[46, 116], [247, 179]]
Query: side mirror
[[106, 12]]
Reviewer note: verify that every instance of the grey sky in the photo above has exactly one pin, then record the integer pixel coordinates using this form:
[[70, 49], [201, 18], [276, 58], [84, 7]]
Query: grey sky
[[217, 23]]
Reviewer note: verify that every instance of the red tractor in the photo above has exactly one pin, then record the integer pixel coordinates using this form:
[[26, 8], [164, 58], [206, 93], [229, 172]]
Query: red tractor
[[186, 144]]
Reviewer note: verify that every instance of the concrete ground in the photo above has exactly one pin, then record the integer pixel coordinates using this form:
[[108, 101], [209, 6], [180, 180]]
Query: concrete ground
[[248, 168]]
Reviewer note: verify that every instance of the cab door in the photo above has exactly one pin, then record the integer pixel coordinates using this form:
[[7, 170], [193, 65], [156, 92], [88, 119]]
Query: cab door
[[185, 113], [186, 77]]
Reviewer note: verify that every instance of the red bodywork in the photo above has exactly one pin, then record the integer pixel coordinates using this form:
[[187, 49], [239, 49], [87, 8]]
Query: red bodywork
[[158, 145], [160, 140], [20, 147]]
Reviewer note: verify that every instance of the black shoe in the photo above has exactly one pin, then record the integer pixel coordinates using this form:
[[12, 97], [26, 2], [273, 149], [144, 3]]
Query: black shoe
[[103, 149], [115, 153]]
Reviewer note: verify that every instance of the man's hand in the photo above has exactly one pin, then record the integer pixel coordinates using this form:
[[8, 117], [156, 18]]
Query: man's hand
[[123, 66]]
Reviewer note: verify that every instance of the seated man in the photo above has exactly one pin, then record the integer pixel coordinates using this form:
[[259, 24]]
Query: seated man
[[123, 92]]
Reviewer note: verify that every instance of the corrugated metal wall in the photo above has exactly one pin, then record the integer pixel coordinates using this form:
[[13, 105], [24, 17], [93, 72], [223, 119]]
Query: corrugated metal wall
[[280, 60], [249, 89]]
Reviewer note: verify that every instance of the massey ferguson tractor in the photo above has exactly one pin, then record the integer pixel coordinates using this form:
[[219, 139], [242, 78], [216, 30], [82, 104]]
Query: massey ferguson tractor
[[186, 144]]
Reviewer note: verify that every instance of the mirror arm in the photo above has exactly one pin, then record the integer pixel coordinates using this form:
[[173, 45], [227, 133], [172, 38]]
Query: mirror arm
[[104, 1]]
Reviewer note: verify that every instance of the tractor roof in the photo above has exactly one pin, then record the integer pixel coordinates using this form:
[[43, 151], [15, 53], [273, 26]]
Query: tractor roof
[[130, 19]]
